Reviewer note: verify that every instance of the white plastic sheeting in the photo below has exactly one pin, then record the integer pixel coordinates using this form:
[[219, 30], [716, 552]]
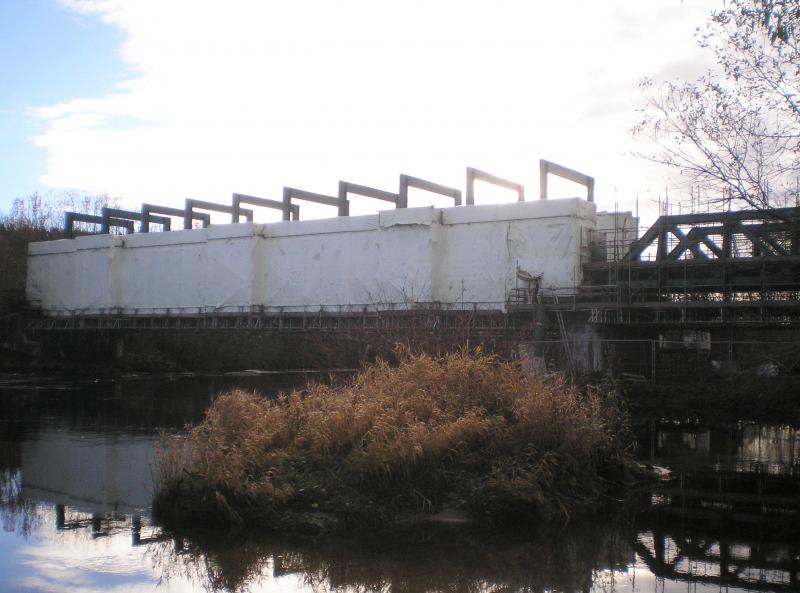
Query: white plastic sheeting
[[397, 258], [618, 231]]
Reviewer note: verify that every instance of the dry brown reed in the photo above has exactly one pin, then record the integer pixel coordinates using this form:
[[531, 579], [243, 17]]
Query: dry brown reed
[[464, 430]]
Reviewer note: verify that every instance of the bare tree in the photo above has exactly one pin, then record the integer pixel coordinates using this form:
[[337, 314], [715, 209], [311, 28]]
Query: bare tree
[[735, 131], [38, 218], [36, 212]]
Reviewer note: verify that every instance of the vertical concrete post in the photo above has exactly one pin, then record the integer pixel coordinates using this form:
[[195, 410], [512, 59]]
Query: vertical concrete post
[[188, 215], [542, 180], [402, 195], [68, 222], [344, 203], [104, 221], [287, 203], [235, 204], [470, 186]]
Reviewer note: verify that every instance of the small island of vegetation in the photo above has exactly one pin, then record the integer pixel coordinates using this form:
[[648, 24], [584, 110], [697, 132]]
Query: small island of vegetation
[[464, 431]]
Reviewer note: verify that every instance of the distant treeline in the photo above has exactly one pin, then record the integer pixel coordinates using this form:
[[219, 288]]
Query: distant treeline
[[35, 218]]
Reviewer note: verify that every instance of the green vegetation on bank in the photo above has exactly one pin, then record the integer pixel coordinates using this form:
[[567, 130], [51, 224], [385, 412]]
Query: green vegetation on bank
[[465, 431]]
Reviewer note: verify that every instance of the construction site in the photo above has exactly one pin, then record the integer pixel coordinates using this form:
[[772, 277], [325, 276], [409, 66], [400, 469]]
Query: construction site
[[555, 282]]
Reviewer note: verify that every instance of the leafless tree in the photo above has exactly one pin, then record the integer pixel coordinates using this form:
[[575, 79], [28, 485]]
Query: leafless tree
[[39, 218], [46, 212], [735, 132]]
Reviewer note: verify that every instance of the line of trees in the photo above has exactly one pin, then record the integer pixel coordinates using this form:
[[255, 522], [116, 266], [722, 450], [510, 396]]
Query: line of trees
[[37, 218], [735, 132], [46, 212]]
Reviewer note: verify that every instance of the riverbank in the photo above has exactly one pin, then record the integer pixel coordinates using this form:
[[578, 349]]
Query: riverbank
[[464, 431]]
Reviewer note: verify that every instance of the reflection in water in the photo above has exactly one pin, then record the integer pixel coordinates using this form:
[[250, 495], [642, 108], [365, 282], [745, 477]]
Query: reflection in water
[[18, 513], [75, 483], [664, 551], [101, 472], [136, 404], [734, 539], [731, 517], [73, 542], [747, 447], [419, 560]]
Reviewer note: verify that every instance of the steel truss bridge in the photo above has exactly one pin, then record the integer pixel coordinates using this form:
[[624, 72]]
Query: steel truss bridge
[[727, 268]]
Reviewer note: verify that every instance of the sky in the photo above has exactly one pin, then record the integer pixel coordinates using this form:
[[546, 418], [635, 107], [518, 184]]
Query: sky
[[161, 100]]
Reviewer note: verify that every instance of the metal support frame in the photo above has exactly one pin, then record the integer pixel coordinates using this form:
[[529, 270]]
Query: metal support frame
[[108, 213], [548, 167], [290, 193], [760, 227], [152, 213], [346, 187], [407, 181], [478, 175], [717, 269], [148, 210], [70, 218], [203, 205], [239, 199]]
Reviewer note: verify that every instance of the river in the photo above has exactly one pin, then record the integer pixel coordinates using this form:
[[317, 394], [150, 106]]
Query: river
[[76, 481]]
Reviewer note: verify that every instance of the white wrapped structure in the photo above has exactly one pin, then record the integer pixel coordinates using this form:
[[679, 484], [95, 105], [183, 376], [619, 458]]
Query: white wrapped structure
[[460, 256]]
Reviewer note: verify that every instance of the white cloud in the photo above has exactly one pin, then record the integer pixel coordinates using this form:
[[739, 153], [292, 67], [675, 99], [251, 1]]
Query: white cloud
[[251, 96]]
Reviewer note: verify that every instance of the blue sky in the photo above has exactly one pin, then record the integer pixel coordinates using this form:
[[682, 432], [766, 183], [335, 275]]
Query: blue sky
[[157, 101], [48, 54]]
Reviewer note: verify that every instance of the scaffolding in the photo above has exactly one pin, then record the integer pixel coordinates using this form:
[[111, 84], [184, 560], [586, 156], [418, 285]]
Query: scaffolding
[[726, 268]]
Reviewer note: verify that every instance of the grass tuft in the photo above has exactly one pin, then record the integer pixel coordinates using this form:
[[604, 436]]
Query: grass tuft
[[465, 430]]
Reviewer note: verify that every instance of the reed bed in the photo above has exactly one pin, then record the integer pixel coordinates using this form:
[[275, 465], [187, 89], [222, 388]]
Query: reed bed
[[464, 430]]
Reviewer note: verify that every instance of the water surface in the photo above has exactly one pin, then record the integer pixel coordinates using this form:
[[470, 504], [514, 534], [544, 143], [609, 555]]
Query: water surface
[[76, 481]]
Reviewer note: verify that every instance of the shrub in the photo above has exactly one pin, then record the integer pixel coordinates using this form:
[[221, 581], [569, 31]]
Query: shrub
[[464, 430]]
